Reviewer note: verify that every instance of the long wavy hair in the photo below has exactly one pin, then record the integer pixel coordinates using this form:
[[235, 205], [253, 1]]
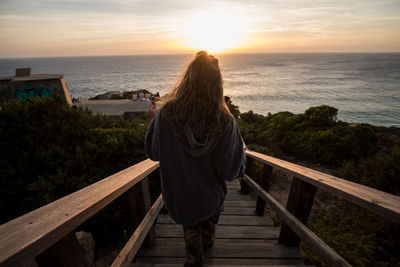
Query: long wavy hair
[[197, 100]]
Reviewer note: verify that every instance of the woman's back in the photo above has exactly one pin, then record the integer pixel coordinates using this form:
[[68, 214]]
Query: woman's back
[[193, 171]]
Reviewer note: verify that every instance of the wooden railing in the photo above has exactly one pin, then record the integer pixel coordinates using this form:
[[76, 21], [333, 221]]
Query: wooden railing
[[304, 186], [46, 236]]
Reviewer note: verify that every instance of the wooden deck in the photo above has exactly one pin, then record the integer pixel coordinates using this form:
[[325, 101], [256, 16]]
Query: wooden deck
[[242, 239]]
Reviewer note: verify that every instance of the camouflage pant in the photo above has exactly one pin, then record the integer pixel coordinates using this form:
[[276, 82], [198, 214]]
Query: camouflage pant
[[198, 238]]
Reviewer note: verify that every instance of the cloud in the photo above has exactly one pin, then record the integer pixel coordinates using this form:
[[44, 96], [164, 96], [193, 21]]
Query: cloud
[[72, 22]]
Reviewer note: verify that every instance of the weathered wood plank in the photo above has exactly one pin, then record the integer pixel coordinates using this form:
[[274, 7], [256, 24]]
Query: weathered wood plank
[[265, 179], [234, 182], [239, 211], [244, 187], [236, 196], [319, 246], [225, 250], [301, 199], [139, 201], [224, 240], [130, 249], [217, 265], [29, 235], [222, 231], [227, 220], [219, 261], [240, 203], [384, 204], [55, 255], [234, 189], [138, 198]]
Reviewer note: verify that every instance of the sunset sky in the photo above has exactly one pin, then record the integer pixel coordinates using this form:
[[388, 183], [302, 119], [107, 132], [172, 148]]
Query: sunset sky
[[30, 28]]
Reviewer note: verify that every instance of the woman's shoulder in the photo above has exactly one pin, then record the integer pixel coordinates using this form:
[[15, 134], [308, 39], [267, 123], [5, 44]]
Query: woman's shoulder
[[164, 117], [166, 108], [231, 124]]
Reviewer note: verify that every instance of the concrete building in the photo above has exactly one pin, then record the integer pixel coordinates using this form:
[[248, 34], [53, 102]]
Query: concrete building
[[121, 108], [26, 84]]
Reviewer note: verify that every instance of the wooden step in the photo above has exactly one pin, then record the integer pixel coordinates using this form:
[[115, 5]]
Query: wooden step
[[222, 231], [240, 203], [214, 265], [228, 220], [179, 261], [240, 211], [265, 250], [236, 196], [242, 239], [225, 240]]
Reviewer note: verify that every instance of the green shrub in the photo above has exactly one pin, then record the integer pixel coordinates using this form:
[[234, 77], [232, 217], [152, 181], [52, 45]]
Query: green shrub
[[315, 135], [232, 107], [381, 171], [359, 236], [49, 149]]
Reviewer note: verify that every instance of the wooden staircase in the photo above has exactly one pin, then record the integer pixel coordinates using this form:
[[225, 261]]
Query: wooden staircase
[[46, 236], [242, 239]]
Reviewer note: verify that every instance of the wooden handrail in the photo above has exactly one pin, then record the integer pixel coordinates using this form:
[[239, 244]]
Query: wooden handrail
[[29, 235], [130, 249], [320, 247], [26, 237], [380, 202]]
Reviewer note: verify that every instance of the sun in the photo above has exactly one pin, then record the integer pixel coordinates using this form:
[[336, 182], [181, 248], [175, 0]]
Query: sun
[[214, 30]]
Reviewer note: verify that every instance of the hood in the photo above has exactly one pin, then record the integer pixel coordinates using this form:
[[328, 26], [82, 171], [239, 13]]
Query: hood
[[194, 146]]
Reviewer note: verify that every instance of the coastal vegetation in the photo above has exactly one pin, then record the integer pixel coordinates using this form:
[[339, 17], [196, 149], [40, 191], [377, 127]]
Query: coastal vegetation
[[49, 150], [314, 135]]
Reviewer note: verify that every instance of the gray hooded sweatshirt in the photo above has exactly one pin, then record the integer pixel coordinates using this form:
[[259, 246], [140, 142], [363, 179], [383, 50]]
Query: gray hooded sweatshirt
[[193, 172]]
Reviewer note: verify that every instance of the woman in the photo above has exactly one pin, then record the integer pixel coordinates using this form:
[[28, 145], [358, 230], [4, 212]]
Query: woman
[[198, 144]]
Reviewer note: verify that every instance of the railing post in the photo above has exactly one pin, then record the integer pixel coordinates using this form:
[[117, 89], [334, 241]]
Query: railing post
[[140, 202], [67, 252], [244, 187], [265, 180], [300, 201]]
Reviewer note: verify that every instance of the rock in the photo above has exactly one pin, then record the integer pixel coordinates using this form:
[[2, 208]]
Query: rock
[[87, 242], [108, 95], [119, 95]]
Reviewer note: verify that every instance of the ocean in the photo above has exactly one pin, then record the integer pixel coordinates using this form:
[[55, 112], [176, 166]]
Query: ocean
[[365, 87]]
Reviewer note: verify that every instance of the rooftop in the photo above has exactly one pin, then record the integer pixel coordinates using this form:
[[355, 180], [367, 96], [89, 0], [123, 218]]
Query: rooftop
[[115, 107], [32, 78], [26, 74]]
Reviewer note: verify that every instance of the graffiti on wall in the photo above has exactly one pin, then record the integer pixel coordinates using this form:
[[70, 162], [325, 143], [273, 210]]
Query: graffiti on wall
[[29, 90]]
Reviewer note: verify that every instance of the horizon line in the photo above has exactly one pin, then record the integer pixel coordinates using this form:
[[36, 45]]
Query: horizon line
[[220, 53]]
